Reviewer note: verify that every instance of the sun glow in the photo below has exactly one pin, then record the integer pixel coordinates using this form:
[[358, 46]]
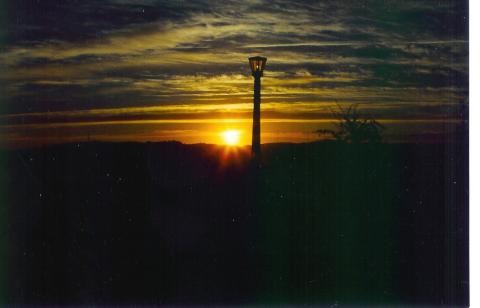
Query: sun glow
[[231, 137]]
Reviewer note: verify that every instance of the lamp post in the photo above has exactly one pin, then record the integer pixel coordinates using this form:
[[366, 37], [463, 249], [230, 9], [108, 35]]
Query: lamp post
[[257, 64]]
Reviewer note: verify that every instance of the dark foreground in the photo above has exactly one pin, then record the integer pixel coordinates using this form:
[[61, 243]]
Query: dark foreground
[[169, 223]]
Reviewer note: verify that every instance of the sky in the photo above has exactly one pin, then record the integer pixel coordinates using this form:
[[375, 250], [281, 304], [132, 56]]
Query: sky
[[152, 70]]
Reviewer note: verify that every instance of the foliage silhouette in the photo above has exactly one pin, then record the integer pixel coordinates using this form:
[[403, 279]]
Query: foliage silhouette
[[354, 128]]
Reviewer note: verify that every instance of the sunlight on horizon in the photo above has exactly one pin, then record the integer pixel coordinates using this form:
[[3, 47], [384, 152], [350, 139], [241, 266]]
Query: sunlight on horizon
[[231, 137]]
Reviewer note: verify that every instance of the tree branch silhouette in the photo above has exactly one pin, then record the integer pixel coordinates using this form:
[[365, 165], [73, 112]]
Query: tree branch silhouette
[[354, 128]]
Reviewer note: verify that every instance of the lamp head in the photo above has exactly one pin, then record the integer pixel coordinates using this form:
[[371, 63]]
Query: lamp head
[[257, 64]]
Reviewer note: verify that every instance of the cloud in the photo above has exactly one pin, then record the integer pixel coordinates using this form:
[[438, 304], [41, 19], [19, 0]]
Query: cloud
[[395, 57]]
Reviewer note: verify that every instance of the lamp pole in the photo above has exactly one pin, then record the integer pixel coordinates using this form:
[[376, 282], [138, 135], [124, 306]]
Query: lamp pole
[[257, 64], [256, 149]]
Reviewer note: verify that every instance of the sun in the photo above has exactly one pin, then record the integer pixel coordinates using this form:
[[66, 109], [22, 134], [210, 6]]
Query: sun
[[231, 137]]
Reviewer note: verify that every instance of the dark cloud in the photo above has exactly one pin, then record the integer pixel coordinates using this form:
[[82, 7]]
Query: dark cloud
[[75, 20]]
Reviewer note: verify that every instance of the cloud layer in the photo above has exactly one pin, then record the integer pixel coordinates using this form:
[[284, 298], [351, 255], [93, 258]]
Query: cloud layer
[[81, 61]]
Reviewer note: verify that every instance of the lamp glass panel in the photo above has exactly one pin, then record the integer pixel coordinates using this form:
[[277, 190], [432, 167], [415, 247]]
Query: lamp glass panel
[[257, 64]]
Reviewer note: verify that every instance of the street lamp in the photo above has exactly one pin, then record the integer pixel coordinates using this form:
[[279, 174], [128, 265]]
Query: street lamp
[[257, 64]]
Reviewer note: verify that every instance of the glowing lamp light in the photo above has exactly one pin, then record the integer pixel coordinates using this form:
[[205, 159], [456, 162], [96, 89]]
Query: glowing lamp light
[[257, 64]]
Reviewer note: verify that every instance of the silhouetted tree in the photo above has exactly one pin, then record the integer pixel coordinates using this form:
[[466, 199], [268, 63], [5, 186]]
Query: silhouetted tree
[[354, 128]]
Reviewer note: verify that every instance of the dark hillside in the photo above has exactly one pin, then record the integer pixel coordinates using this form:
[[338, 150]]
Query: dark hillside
[[106, 223]]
